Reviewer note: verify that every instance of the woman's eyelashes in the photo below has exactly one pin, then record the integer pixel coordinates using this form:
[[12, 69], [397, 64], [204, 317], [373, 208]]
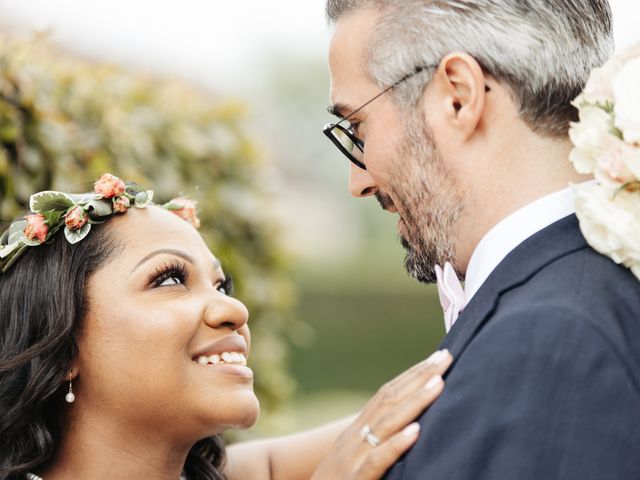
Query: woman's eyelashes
[[169, 274], [176, 273]]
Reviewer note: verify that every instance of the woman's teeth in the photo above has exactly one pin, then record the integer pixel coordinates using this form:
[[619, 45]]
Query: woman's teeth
[[226, 358]]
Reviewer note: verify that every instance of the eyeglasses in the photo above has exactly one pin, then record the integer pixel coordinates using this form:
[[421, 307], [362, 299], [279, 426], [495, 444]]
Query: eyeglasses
[[346, 139]]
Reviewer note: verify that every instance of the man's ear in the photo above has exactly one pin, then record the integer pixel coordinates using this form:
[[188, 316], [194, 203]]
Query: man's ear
[[460, 90]]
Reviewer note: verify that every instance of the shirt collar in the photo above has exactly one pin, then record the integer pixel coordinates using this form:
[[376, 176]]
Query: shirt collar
[[511, 232]]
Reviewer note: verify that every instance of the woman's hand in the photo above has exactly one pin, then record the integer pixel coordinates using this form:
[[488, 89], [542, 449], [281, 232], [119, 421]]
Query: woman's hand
[[384, 430]]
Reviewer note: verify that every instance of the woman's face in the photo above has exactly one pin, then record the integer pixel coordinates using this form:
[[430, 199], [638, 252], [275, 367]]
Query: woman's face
[[163, 348]]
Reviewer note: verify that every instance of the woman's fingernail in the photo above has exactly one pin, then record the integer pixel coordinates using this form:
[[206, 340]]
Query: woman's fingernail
[[411, 429], [433, 382], [438, 357]]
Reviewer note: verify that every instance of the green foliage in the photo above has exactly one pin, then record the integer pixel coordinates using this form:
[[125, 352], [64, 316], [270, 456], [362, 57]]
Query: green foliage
[[65, 122]]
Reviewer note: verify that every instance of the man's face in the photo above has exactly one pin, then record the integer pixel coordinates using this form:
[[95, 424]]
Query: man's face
[[405, 170]]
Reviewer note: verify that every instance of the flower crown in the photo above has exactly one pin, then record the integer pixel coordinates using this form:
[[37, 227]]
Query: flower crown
[[51, 211]]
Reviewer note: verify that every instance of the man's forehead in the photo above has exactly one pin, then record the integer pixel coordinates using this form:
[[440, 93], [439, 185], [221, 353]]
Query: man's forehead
[[348, 53]]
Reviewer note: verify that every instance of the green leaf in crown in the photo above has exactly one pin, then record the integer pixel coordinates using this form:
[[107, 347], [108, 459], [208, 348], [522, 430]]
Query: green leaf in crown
[[74, 236], [42, 201]]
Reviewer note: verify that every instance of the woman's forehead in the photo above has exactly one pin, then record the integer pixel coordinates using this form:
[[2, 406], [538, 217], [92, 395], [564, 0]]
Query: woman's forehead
[[143, 231]]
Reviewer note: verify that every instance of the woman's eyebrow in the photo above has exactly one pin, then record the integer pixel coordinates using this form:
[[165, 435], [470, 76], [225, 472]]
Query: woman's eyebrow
[[170, 251]]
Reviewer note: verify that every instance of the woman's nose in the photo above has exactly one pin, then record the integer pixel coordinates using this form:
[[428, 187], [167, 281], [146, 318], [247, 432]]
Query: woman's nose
[[226, 312]]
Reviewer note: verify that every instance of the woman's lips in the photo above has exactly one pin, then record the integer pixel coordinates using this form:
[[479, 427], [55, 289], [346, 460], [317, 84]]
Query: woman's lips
[[231, 369]]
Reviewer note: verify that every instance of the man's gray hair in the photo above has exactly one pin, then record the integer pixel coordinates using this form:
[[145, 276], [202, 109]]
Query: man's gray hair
[[543, 50]]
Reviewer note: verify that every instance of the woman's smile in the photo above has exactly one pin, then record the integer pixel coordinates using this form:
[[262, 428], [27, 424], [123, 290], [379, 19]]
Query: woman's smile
[[227, 355]]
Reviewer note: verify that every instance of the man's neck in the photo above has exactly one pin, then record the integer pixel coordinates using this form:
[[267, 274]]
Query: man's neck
[[518, 173]]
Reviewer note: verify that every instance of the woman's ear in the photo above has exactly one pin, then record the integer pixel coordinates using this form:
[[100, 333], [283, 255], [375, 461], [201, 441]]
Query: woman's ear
[[73, 370]]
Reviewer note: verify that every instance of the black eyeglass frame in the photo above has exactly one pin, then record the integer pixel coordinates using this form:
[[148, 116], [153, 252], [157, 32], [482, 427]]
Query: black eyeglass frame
[[329, 127]]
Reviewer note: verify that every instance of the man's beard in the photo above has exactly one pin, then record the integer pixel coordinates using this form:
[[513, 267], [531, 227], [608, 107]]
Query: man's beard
[[426, 199]]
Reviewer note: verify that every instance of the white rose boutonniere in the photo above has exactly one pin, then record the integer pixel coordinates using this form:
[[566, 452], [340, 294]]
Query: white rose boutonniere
[[607, 144]]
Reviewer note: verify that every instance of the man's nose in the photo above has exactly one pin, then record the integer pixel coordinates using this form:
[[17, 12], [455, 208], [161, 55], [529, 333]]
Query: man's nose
[[361, 183]]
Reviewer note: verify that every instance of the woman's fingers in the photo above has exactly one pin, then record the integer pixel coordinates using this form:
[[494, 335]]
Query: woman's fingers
[[435, 359], [381, 458], [396, 419], [406, 385], [385, 429]]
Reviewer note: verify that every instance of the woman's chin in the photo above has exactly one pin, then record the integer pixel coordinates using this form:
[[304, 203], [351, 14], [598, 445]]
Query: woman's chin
[[241, 415], [248, 416]]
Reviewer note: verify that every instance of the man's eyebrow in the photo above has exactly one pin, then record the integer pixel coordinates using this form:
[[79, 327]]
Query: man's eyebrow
[[339, 110]]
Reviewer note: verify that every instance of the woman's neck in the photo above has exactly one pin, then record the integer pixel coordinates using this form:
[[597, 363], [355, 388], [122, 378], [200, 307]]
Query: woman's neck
[[97, 450]]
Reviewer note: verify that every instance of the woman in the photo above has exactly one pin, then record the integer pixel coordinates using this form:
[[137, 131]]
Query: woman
[[124, 356]]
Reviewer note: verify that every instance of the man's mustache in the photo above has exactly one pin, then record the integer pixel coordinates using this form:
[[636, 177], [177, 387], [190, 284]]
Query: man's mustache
[[384, 200]]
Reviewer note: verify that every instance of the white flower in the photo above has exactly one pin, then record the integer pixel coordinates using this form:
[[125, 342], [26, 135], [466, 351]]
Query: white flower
[[626, 89], [610, 224], [598, 89], [629, 53], [590, 136], [618, 165]]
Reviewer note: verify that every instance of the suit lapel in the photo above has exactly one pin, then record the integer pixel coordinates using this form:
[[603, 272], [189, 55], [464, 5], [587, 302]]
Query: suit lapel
[[546, 246]]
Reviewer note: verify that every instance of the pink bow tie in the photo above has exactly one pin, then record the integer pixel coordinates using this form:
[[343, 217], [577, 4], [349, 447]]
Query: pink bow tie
[[451, 294]]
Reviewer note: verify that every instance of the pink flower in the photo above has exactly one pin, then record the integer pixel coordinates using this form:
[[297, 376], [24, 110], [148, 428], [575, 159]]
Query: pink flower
[[121, 204], [109, 186], [188, 210], [36, 228], [76, 217]]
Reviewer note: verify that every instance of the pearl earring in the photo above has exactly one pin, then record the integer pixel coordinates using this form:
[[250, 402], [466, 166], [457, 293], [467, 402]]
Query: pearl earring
[[70, 397]]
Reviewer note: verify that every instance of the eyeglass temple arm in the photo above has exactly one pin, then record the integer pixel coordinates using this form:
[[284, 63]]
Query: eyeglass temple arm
[[416, 71]]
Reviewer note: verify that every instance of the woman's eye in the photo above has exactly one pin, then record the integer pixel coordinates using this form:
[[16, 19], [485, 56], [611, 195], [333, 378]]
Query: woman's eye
[[226, 287], [172, 280], [169, 275], [354, 128]]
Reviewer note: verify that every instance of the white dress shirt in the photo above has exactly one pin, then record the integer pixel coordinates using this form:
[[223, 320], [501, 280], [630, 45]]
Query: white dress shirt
[[511, 232]]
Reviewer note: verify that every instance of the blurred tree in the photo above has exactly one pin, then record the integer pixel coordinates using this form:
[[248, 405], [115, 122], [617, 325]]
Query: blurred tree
[[64, 122]]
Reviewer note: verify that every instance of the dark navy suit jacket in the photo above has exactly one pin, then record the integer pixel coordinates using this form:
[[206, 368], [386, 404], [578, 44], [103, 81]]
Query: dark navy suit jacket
[[546, 379]]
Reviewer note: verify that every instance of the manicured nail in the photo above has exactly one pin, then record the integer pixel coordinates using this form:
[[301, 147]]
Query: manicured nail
[[438, 357], [411, 430], [433, 382]]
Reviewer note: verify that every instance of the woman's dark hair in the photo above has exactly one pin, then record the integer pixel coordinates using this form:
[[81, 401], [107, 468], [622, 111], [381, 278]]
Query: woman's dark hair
[[43, 302]]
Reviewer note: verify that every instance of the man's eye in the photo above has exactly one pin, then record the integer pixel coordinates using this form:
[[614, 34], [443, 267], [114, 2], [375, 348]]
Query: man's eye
[[354, 129]]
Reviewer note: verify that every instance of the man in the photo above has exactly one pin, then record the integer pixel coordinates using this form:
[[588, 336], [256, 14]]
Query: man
[[454, 114]]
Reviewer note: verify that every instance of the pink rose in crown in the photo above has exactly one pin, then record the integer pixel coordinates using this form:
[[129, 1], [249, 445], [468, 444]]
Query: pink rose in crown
[[187, 211], [109, 186], [76, 218], [121, 204], [36, 228]]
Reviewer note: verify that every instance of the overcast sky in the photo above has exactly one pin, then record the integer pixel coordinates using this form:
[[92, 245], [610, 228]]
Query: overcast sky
[[215, 42]]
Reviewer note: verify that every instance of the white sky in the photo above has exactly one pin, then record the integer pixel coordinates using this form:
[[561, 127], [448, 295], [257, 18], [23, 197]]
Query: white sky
[[211, 41], [215, 42]]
